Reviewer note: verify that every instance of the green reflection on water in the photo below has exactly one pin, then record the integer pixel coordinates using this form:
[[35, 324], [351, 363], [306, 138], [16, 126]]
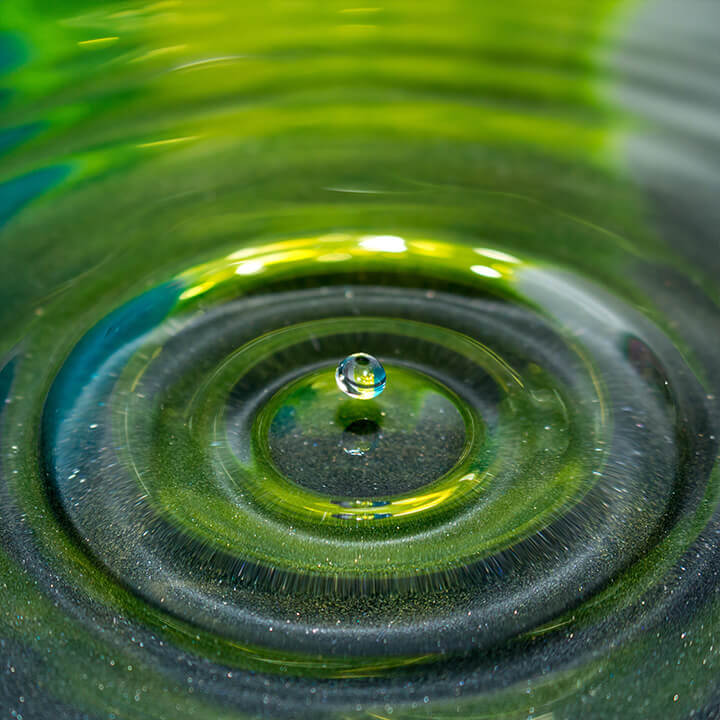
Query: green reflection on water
[[179, 131]]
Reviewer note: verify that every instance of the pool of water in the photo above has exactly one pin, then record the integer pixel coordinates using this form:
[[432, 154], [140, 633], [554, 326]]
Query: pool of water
[[502, 217]]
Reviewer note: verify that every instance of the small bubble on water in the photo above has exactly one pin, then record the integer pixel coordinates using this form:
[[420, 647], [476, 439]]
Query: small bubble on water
[[360, 376]]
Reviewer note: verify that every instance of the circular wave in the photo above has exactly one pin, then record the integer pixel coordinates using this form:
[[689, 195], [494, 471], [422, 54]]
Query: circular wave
[[195, 440], [204, 208]]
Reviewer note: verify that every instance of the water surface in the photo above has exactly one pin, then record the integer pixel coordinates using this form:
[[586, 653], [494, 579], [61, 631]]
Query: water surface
[[205, 206]]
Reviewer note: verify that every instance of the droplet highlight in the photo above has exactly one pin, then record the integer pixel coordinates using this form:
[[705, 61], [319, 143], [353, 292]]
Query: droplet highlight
[[361, 376]]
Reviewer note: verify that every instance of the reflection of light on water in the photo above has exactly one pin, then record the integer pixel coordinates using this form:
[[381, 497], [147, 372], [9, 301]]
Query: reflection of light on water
[[485, 271], [250, 267], [197, 290], [383, 243], [342, 248], [497, 255], [98, 41], [168, 141]]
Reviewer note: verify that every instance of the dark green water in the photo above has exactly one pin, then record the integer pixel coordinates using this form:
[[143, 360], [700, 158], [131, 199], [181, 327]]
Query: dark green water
[[205, 206]]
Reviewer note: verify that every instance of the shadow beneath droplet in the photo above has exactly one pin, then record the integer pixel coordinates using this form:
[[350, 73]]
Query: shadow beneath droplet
[[363, 428]]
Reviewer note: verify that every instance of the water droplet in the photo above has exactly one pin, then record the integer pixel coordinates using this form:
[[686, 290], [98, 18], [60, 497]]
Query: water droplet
[[360, 376]]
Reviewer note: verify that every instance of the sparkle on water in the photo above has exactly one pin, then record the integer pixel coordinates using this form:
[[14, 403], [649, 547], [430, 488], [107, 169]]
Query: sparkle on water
[[361, 376]]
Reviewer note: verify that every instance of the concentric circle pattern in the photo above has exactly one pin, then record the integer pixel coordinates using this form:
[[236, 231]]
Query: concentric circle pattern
[[510, 511], [197, 443]]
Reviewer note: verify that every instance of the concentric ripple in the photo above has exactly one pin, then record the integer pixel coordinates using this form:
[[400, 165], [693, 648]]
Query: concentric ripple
[[206, 206], [528, 438]]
